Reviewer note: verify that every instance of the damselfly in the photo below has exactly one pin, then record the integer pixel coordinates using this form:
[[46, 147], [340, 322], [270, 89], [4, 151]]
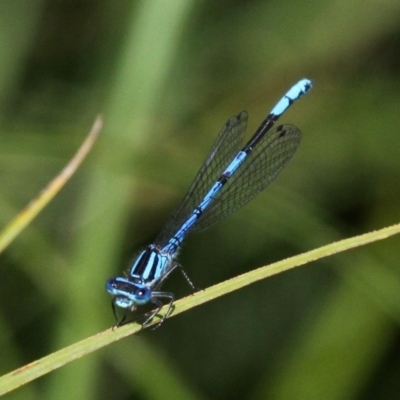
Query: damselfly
[[228, 179]]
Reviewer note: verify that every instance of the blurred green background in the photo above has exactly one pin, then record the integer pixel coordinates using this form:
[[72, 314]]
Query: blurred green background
[[166, 76]]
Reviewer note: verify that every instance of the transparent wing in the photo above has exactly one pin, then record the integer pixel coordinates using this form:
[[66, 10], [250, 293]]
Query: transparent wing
[[261, 167], [228, 143]]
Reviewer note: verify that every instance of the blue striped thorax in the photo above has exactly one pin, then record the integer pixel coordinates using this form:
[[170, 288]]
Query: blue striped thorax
[[147, 270]]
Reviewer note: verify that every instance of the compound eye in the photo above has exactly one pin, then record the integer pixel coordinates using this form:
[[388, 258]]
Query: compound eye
[[112, 286], [143, 295]]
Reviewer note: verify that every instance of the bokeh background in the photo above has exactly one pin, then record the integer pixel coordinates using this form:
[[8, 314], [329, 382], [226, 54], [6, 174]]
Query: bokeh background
[[166, 75]]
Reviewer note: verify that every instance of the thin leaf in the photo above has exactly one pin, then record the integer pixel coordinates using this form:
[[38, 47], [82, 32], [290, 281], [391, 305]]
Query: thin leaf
[[14, 228], [64, 356]]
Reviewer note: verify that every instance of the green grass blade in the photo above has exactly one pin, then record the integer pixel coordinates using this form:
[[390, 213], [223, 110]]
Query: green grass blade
[[64, 356]]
